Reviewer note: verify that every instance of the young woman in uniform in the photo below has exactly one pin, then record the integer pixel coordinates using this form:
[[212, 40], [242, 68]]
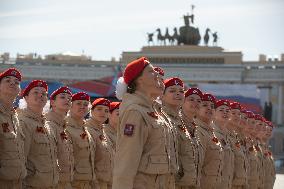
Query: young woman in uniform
[[83, 143], [145, 155], [40, 141], [12, 158], [104, 152], [60, 103], [212, 164], [111, 127], [221, 119]]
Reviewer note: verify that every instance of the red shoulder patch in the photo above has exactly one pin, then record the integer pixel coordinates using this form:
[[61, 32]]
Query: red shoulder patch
[[5, 127], [40, 130], [63, 135], [128, 129], [153, 114], [83, 135], [102, 137]]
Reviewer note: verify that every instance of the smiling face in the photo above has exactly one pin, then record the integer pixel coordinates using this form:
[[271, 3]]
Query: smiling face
[[79, 108], [36, 98], [100, 113], [235, 116], [174, 95], [9, 87], [222, 113], [206, 111], [62, 102], [192, 104]]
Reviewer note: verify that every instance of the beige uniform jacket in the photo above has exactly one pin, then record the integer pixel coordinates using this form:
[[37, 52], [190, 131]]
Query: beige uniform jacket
[[240, 161], [64, 147], [40, 150], [12, 157], [84, 150], [253, 171], [261, 157], [104, 153], [187, 152], [144, 144], [228, 161], [269, 168], [212, 163], [111, 135]]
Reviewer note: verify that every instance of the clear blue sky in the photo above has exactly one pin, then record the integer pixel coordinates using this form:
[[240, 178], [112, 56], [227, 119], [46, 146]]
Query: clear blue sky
[[103, 29]]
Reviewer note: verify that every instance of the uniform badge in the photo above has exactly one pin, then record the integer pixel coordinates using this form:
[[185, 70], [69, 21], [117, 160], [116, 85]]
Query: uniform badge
[[153, 115], [102, 137], [83, 135], [238, 145], [251, 149], [5, 127], [257, 148], [40, 130], [128, 129], [63, 135], [215, 139]]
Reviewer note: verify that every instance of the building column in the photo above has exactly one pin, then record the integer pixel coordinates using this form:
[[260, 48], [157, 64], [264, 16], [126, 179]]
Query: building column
[[280, 105]]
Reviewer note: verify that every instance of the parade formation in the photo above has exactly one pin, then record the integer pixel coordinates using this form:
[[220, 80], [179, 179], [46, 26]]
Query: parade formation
[[159, 135]]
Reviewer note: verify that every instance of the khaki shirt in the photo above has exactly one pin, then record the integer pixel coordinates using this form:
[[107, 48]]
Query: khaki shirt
[[213, 161], [111, 135], [84, 150], [144, 142], [240, 161], [12, 157], [269, 168], [64, 146], [40, 150], [187, 151], [104, 152], [253, 171], [261, 157], [228, 161]]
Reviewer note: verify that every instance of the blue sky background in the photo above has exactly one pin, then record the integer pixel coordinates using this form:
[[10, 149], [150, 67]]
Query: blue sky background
[[103, 29]]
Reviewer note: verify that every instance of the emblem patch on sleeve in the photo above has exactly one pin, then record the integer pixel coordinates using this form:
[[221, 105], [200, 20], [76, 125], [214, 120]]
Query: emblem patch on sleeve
[[128, 129], [5, 127]]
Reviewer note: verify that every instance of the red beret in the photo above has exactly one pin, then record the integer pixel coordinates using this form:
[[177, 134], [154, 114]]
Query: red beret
[[60, 90], [11, 72], [222, 102], [235, 105], [173, 81], [80, 96], [269, 123], [208, 97], [160, 71], [33, 84], [259, 117], [249, 114], [134, 68], [114, 105], [101, 101], [192, 91]]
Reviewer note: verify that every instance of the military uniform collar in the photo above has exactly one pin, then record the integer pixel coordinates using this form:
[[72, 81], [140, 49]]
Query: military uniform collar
[[110, 129], [52, 116], [203, 125], [5, 110], [170, 112], [30, 114], [186, 119], [92, 123], [137, 98], [74, 123]]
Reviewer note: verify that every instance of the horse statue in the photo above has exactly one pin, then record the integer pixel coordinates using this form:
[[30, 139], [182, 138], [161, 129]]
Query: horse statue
[[215, 38], [150, 38], [206, 37], [160, 37]]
